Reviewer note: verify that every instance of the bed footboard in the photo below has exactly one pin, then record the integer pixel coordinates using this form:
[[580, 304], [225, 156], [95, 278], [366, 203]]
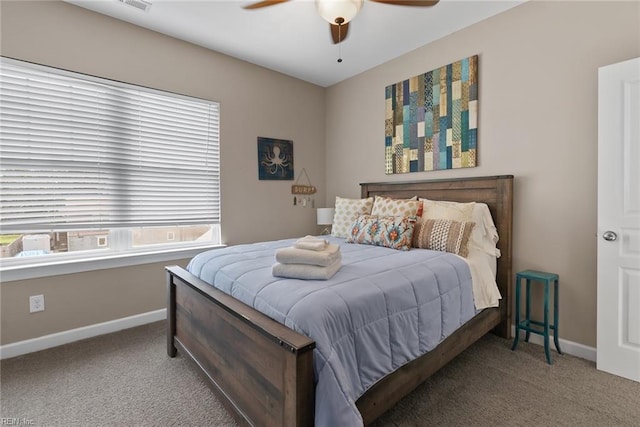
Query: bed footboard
[[261, 370]]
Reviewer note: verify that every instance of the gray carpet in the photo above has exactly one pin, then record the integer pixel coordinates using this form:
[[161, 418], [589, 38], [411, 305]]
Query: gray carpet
[[127, 379]]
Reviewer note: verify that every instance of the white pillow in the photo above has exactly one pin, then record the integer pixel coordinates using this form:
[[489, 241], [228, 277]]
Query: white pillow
[[484, 235], [385, 206], [345, 213], [438, 209]]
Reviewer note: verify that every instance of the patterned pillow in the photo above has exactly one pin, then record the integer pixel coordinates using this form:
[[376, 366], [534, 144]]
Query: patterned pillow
[[385, 206], [346, 211], [393, 232], [443, 235], [436, 209]]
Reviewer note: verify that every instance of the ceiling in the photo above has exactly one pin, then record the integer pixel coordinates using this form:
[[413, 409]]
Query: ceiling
[[293, 39]]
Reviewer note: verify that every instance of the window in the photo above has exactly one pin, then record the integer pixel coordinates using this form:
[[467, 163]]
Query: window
[[90, 166]]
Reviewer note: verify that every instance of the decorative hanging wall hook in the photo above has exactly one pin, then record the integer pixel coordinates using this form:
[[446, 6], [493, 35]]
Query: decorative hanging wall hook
[[303, 189], [302, 192]]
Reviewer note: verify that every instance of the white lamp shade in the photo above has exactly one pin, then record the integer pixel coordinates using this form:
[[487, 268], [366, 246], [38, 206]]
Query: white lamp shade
[[325, 216], [332, 9]]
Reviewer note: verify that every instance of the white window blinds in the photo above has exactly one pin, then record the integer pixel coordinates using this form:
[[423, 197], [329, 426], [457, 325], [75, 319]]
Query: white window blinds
[[81, 152]]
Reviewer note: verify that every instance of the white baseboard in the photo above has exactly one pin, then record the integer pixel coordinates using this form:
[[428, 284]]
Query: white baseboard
[[48, 341], [573, 348], [41, 343]]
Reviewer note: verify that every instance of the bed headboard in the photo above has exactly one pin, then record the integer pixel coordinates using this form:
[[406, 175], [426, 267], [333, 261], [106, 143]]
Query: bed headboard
[[495, 191]]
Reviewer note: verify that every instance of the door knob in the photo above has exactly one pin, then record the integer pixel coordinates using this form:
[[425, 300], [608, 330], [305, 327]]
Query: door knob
[[609, 236]]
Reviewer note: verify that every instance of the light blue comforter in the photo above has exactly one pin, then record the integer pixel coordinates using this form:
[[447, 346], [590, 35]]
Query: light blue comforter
[[382, 309]]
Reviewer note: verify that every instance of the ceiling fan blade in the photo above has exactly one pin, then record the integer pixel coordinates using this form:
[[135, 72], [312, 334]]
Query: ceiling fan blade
[[263, 3], [339, 32], [420, 3]]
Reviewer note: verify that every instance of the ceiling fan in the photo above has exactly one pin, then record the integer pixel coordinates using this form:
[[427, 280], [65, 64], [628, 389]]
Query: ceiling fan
[[339, 12]]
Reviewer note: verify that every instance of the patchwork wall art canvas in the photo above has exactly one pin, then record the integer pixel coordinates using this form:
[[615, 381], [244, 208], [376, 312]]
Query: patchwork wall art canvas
[[275, 159], [431, 120]]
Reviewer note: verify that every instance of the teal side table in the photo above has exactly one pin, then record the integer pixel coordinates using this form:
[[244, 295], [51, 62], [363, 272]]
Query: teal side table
[[534, 326]]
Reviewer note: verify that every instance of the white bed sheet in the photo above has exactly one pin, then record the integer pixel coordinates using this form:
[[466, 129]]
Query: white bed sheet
[[483, 274]]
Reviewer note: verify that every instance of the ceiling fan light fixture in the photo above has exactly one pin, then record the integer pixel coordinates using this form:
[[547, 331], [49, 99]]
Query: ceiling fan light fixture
[[330, 10]]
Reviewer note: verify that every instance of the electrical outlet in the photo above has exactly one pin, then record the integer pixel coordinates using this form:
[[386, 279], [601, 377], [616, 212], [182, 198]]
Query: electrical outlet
[[36, 303]]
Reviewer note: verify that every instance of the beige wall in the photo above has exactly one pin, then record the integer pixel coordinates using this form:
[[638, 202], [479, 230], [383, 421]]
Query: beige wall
[[81, 299], [254, 102], [538, 66]]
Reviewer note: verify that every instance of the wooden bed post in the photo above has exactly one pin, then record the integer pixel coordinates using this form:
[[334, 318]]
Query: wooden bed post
[[504, 277]]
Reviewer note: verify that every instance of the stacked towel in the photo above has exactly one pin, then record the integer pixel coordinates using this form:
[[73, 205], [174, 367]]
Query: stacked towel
[[308, 258], [311, 243], [305, 271], [323, 258]]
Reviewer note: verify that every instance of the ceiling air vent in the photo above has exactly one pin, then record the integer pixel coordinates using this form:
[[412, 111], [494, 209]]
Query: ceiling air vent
[[138, 4]]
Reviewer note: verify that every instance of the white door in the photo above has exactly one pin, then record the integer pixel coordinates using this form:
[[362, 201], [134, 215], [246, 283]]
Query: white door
[[618, 332]]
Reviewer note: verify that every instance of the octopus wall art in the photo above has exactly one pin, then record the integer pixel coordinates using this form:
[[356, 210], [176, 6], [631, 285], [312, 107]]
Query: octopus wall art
[[275, 159]]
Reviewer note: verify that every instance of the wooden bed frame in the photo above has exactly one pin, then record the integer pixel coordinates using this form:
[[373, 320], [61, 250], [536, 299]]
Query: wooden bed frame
[[262, 371]]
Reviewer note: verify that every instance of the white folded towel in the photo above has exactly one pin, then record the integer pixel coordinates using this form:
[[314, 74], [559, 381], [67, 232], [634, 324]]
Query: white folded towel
[[306, 272], [293, 255], [311, 243]]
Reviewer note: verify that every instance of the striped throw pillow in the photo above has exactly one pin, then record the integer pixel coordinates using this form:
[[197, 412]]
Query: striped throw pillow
[[443, 235]]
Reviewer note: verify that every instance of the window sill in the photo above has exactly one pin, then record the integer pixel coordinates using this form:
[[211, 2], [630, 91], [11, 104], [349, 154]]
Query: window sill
[[58, 267]]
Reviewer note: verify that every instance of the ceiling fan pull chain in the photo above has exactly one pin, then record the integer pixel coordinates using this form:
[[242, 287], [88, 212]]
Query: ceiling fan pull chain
[[339, 44]]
